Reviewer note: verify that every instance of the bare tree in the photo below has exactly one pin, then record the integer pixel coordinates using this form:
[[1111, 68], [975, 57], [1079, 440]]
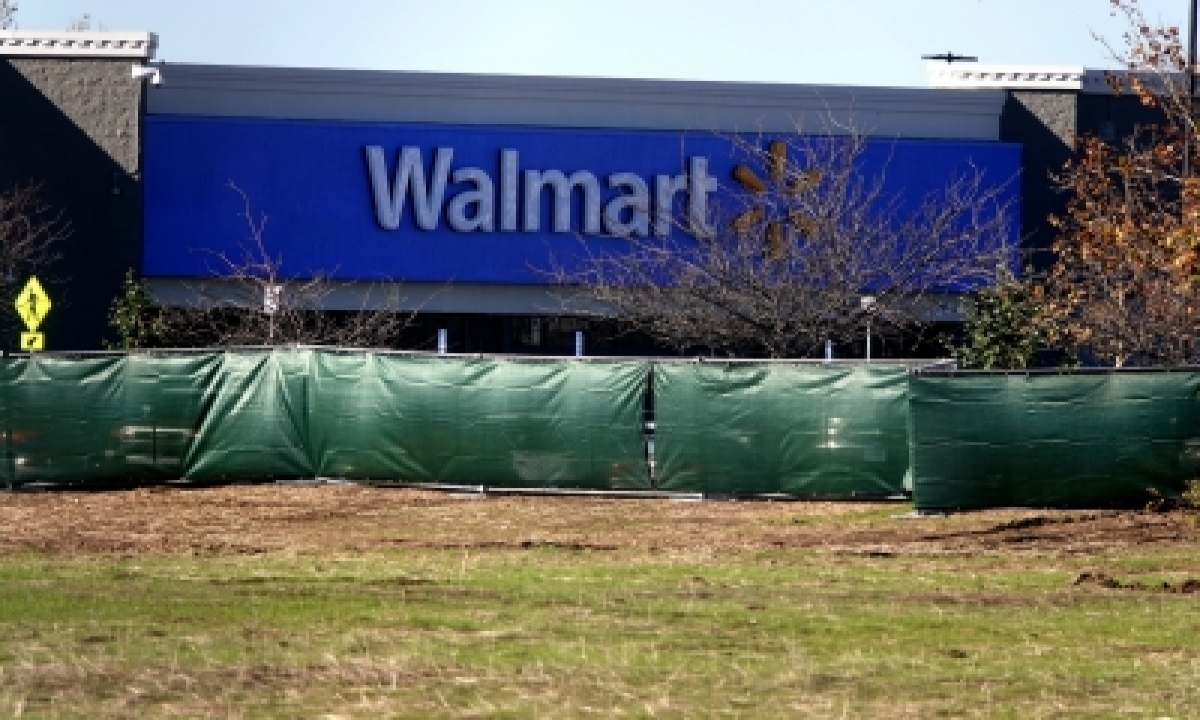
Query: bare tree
[[250, 301], [8, 15], [812, 249], [84, 24], [30, 231], [31, 234]]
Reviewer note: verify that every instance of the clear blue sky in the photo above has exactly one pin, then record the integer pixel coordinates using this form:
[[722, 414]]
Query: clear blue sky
[[854, 42]]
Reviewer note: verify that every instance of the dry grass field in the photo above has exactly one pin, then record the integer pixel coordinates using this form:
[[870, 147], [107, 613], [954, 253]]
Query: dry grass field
[[354, 602]]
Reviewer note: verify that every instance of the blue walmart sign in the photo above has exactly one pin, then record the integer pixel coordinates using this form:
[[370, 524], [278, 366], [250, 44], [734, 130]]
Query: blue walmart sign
[[446, 203]]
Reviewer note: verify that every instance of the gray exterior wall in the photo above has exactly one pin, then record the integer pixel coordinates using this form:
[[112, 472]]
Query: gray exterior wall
[[1048, 125], [1117, 115], [74, 124], [1044, 123]]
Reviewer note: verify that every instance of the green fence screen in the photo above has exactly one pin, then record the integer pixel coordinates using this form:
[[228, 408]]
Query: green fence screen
[[973, 440], [502, 423], [281, 414], [1087, 439], [63, 420], [802, 430], [254, 422], [147, 417], [166, 401]]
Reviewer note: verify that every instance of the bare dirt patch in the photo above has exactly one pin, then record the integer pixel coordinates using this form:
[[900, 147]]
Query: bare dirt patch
[[1189, 586], [247, 519]]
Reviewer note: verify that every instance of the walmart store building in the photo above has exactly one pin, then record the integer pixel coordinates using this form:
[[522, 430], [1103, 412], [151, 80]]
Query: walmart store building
[[445, 185]]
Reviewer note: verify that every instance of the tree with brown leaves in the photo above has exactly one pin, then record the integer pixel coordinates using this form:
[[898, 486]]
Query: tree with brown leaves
[[1123, 289]]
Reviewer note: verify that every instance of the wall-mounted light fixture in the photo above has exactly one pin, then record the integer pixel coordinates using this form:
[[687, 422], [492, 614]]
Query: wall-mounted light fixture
[[141, 72]]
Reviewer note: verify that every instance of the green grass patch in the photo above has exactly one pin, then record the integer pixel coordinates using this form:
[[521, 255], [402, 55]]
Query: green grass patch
[[554, 632]]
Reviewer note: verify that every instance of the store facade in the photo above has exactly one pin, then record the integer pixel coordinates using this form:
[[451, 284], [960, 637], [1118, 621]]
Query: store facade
[[460, 192]]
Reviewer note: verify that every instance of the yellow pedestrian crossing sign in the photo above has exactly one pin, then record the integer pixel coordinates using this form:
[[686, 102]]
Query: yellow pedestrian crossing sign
[[33, 304]]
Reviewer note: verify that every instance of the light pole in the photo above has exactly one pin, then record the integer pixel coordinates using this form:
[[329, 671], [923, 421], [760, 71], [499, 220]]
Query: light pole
[[272, 295], [867, 303], [1191, 85], [1192, 50]]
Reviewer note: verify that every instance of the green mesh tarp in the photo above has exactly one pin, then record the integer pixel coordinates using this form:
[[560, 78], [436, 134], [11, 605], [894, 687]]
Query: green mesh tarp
[[166, 399], [63, 419], [255, 425], [808, 431], [145, 417], [503, 423], [1052, 440], [75, 420]]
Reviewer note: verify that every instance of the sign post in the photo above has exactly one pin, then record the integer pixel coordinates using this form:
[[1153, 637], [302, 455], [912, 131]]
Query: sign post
[[33, 305]]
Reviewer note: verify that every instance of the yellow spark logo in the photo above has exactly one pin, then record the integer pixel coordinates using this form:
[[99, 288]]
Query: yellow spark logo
[[781, 177]]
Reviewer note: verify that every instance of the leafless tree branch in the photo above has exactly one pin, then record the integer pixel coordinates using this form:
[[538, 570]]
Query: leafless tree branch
[[8, 15], [31, 231], [250, 301], [785, 261]]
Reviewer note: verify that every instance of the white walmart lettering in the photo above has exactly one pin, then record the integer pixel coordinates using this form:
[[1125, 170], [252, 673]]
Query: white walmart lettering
[[473, 209]]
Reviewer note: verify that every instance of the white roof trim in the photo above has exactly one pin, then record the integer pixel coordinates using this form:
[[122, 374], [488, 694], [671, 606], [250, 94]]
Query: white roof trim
[[977, 76], [21, 43]]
